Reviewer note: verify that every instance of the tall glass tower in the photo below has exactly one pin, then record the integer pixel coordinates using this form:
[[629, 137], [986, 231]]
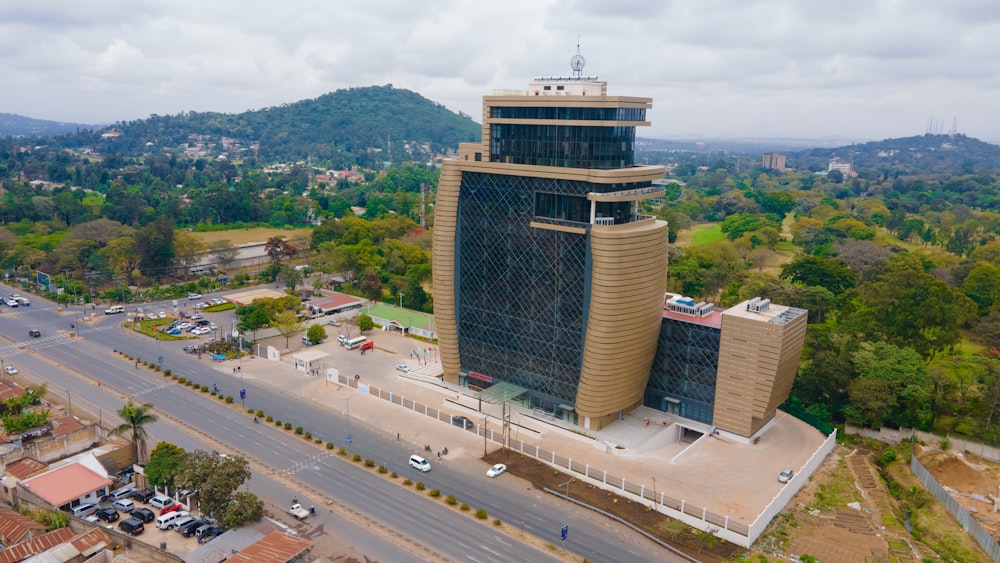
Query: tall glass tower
[[546, 276]]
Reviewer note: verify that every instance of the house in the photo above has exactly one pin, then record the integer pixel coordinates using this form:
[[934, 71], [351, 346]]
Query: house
[[80, 482]]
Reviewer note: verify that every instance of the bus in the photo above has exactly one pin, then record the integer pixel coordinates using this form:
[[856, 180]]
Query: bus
[[354, 342]]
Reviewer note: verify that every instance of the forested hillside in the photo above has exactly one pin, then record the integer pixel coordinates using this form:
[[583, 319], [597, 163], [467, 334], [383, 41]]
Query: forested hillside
[[12, 125], [348, 127]]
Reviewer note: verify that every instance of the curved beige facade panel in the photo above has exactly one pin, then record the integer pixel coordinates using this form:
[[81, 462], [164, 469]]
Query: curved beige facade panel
[[629, 274], [443, 264]]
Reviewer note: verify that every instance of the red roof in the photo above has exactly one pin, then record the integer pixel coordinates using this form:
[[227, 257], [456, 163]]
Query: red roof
[[276, 547], [37, 544], [15, 527], [64, 484]]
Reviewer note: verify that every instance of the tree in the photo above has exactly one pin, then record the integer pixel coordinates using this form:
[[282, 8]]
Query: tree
[[316, 333], [905, 306], [371, 285], [187, 250], [215, 477], [287, 324], [154, 244], [892, 387], [252, 318], [164, 463], [982, 285], [290, 277], [364, 322], [136, 417], [820, 271], [244, 507], [223, 251]]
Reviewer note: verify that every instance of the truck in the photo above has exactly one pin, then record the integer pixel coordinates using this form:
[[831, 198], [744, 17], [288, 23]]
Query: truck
[[297, 511]]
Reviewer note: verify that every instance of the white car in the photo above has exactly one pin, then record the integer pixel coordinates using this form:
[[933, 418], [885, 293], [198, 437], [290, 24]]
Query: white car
[[11, 370], [162, 314], [199, 305], [216, 301], [194, 296], [496, 470], [183, 326], [201, 330], [197, 317], [785, 475], [403, 367]]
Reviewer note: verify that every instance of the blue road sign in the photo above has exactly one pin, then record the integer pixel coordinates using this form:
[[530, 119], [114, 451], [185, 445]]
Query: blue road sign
[[347, 438], [565, 531], [159, 359], [243, 393]]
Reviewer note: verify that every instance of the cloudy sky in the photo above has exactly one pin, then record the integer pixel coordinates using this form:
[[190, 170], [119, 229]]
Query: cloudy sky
[[854, 69]]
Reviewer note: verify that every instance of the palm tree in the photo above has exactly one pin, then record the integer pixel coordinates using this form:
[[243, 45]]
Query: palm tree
[[136, 416]]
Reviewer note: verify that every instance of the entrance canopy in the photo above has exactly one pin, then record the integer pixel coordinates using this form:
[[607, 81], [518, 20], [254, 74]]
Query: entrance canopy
[[501, 393]]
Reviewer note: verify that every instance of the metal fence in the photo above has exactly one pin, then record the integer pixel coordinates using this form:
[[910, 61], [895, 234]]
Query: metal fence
[[968, 522], [696, 516]]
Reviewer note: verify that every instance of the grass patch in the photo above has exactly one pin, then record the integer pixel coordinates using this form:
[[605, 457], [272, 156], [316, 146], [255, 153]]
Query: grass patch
[[255, 234], [706, 234]]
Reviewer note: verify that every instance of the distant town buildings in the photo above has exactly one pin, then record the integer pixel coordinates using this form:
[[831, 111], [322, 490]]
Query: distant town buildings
[[774, 161], [837, 163]]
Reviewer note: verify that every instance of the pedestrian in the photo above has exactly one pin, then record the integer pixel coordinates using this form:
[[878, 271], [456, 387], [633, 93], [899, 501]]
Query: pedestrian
[[397, 433], [98, 382]]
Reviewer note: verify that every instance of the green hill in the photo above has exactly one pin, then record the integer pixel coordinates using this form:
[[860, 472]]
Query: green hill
[[340, 127]]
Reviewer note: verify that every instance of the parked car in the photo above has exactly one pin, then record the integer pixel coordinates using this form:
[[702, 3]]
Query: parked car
[[462, 422], [11, 370], [123, 505], [161, 502], [188, 529], [307, 342], [132, 526], [143, 514], [162, 314], [178, 507], [85, 509], [107, 514], [334, 322], [496, 470], [183, 521], [210, 532], [143, 495]]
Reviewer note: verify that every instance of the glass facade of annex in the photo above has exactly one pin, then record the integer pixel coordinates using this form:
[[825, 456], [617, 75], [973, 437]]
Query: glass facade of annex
[[521, 292], [682, 379]]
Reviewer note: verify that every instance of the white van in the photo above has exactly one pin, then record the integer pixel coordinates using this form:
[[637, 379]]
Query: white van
[[124, 492], [165, 521], [114, 309], [420, 463], [84, 509], [123, 505]]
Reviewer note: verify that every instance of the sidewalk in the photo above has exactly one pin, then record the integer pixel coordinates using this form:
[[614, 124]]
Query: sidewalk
[[645, 448]]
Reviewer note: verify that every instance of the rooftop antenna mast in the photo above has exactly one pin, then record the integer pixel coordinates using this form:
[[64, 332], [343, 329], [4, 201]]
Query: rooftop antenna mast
[[577, 62]]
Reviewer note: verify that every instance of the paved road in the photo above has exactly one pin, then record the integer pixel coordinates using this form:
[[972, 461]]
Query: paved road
[[448, 533]]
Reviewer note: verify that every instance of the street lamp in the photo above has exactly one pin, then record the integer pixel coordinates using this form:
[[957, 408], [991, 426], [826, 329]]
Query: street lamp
[[401, 300]]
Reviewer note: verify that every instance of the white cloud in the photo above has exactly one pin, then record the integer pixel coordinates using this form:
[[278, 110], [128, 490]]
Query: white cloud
[[859, 68]]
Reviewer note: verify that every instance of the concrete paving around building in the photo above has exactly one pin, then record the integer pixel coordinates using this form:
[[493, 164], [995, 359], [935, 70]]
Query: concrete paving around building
[[724, 474]]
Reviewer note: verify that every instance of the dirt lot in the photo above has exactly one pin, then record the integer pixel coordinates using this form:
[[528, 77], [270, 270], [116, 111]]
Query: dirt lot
[[846, 512]]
